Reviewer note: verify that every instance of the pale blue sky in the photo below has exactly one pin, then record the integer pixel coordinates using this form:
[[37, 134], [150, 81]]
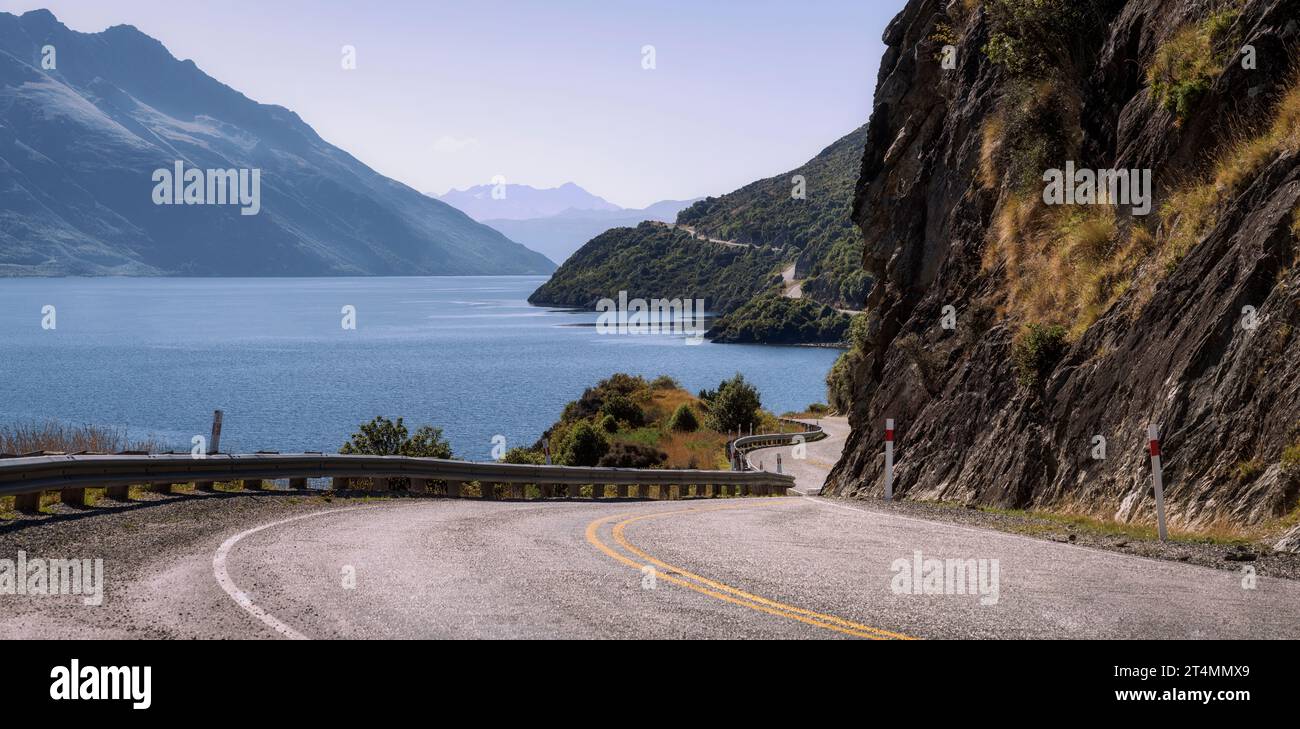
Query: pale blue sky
[[450, 94]]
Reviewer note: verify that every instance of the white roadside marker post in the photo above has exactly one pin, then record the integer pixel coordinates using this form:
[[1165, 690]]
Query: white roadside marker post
[[1157, 480], [778, 463], [889, 460]]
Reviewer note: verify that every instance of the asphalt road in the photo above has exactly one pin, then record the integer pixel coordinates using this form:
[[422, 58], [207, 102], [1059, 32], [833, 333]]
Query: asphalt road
[[782, 567], [293, 566]]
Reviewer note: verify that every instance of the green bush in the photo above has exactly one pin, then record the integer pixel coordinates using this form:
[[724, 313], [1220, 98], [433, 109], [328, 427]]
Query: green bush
[[621, 407], [683, 420], [1033, 37], [1185, 66], [1037, 351], [664, 382], [583, 445], [632, 455], [609, 424], [384, 437], [526, 456], [1291, 458]]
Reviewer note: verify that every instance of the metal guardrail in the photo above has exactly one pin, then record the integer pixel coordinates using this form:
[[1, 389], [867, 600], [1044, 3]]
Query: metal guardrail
[[27, 477], [744, 445]]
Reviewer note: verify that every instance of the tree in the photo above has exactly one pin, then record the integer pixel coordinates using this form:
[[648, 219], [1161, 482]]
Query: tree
[[734, 406], [583, 446]]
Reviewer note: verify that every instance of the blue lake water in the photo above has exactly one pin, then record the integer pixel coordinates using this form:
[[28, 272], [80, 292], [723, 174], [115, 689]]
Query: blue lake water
[[468, 354]]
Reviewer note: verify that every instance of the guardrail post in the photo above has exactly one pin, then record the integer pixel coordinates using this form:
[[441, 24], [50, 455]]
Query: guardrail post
[[252, 484], [574, 490], [298, 484], [161, 487], [205, 485], [73, 497], [598, 491], [380, 484], [518, 490], [118, 493], [546, 490], [27, 503], [340, 484], [454, 489], [487, 491], [622, 491]]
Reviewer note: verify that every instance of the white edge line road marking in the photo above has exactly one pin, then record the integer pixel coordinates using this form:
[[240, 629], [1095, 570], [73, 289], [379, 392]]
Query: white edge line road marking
[[828, 501], [239, 596]]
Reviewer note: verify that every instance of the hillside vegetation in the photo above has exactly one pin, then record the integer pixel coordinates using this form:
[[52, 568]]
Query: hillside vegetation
[[743, 284], [655, 261], [628, 421]]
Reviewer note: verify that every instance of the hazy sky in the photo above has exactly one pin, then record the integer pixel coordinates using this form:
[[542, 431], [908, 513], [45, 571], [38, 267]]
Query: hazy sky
[[451, 94]]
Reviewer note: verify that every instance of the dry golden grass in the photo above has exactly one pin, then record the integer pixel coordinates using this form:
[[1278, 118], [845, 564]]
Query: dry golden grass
[[1069, 265], [55, 436], [990, 149], [1191, 212], [1062, 265]]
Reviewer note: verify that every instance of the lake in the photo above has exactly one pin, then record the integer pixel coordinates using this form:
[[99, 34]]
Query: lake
[[155, 357]]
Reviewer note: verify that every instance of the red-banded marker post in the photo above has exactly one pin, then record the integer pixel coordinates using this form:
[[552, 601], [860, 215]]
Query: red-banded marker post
[[889, 460], [1157, 480]]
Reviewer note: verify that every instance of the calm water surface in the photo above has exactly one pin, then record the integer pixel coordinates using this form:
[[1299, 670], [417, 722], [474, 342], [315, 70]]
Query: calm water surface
[[468, 354]]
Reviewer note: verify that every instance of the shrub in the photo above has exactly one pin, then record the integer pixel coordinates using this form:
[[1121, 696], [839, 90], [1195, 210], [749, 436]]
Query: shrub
[[621, 407], [1037, 351], [632, 455], [683, 420], [1033, 37], [664, 382], [1185, 66], [1291, 458], [526, 456], [609, 424], [818, 409], [583, 445], [734, 406], [1247, 470], [384, 437]]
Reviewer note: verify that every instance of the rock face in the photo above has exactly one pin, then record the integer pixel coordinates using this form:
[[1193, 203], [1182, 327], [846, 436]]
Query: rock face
[[1173, 349]]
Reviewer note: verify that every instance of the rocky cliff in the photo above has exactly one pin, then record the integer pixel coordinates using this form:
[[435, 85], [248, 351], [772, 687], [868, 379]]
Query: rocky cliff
[[1076, 323]]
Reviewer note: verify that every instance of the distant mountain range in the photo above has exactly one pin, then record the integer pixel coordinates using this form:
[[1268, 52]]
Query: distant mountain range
[[88, 122], [555, 221], [522, 202]]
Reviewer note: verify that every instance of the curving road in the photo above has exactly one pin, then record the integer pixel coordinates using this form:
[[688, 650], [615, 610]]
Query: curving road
[[290, 566], [794, 567]]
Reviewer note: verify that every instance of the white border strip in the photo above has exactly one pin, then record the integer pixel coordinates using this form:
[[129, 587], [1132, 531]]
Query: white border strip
[[239, 596]]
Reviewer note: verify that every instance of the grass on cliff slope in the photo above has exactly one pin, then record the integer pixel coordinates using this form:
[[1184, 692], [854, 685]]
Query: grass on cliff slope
[[1191, 212], [1068, 265], [1185, 65]]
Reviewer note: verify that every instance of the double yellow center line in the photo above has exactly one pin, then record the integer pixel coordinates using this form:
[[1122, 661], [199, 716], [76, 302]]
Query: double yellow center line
[[715, 589]]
